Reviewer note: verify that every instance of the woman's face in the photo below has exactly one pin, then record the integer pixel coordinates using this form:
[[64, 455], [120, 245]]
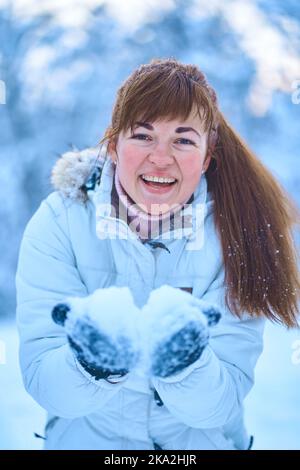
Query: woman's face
[[160, 163]]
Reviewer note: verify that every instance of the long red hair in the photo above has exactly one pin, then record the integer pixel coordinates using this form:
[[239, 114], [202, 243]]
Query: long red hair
[[253, 214]]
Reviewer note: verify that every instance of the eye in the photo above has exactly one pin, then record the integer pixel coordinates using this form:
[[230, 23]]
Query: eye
[[185, 141], [140, 137]]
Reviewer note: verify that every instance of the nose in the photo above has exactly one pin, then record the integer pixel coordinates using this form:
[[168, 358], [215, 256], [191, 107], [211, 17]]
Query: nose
[[161, 155]]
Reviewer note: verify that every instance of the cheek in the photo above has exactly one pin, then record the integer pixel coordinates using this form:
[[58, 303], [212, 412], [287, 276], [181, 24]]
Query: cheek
[[191, 167], [128, 159], [128, 166]]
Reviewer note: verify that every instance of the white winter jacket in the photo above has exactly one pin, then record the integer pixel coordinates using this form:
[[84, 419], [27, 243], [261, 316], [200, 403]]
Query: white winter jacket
[[61, 255]]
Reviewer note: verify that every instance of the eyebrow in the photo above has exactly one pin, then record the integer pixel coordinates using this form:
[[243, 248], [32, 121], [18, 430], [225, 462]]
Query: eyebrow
[[179, 130]]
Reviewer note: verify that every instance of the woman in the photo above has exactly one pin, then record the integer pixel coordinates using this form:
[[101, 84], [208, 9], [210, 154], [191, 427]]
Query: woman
[[172, 161]]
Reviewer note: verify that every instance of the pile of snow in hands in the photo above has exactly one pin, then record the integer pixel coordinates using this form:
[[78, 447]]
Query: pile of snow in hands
[[173, 327]]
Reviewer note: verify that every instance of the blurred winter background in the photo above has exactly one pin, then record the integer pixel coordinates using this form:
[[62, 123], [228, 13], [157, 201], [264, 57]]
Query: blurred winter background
[[60, 65]]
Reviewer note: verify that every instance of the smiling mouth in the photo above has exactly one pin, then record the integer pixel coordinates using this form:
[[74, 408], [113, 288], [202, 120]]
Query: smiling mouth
[[158, 182]]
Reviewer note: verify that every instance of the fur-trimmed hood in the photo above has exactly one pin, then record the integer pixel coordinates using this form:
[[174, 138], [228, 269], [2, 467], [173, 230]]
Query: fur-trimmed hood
[[77, 171]]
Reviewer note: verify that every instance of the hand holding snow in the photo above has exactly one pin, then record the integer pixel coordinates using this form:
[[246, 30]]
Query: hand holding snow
[[178, 326], [110, 335], [101, 330]]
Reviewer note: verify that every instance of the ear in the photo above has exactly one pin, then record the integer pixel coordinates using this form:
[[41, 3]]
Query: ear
[[206, 162]]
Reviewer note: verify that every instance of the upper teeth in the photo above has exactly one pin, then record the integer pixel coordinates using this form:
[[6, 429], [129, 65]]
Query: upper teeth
[[157, 179]]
